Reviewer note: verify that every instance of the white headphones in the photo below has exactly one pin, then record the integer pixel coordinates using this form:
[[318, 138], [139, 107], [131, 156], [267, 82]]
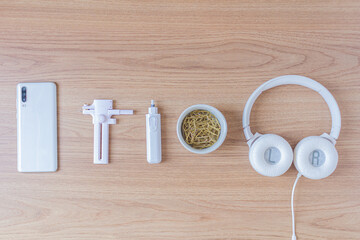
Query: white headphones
[[315, 157]]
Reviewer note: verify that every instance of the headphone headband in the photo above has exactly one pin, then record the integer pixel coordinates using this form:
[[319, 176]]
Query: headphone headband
[[294, 80]]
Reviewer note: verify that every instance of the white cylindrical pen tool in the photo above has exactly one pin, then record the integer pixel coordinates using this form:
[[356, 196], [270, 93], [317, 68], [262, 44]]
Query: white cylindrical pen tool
[[153, 134]]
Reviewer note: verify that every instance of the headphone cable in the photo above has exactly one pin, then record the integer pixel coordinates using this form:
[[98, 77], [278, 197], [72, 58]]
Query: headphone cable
[[292, 206]]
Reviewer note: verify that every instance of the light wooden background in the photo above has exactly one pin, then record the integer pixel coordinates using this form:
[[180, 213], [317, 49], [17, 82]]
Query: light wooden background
[[179, 54]]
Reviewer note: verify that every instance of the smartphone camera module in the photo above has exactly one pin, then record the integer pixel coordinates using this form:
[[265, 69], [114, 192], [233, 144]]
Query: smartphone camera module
[[23, 94]]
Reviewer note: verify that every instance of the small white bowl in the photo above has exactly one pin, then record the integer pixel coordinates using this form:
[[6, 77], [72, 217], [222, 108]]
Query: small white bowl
[[217, 114]]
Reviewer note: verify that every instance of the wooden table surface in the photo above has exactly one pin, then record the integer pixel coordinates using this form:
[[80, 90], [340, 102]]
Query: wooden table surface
[[180, 54]]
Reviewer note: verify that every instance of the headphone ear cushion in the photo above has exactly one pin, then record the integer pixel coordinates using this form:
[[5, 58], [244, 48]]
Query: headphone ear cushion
[[315, 157], [270, 155]]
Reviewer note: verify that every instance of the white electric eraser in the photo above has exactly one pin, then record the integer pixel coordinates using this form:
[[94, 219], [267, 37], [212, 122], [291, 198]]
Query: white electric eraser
[[153, 134]]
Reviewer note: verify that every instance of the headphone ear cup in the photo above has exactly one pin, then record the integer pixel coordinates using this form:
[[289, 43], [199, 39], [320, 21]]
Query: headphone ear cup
[[270, 155], [315, 157]]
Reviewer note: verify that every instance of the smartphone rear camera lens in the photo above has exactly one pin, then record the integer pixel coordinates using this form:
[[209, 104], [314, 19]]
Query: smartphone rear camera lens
[[23, 94]]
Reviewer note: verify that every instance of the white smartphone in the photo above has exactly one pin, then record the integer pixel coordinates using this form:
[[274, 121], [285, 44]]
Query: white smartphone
[[36, 127]]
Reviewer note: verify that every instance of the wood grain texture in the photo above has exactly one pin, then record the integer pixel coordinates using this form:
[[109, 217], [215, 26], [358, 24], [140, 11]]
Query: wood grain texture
[[180, 54]]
